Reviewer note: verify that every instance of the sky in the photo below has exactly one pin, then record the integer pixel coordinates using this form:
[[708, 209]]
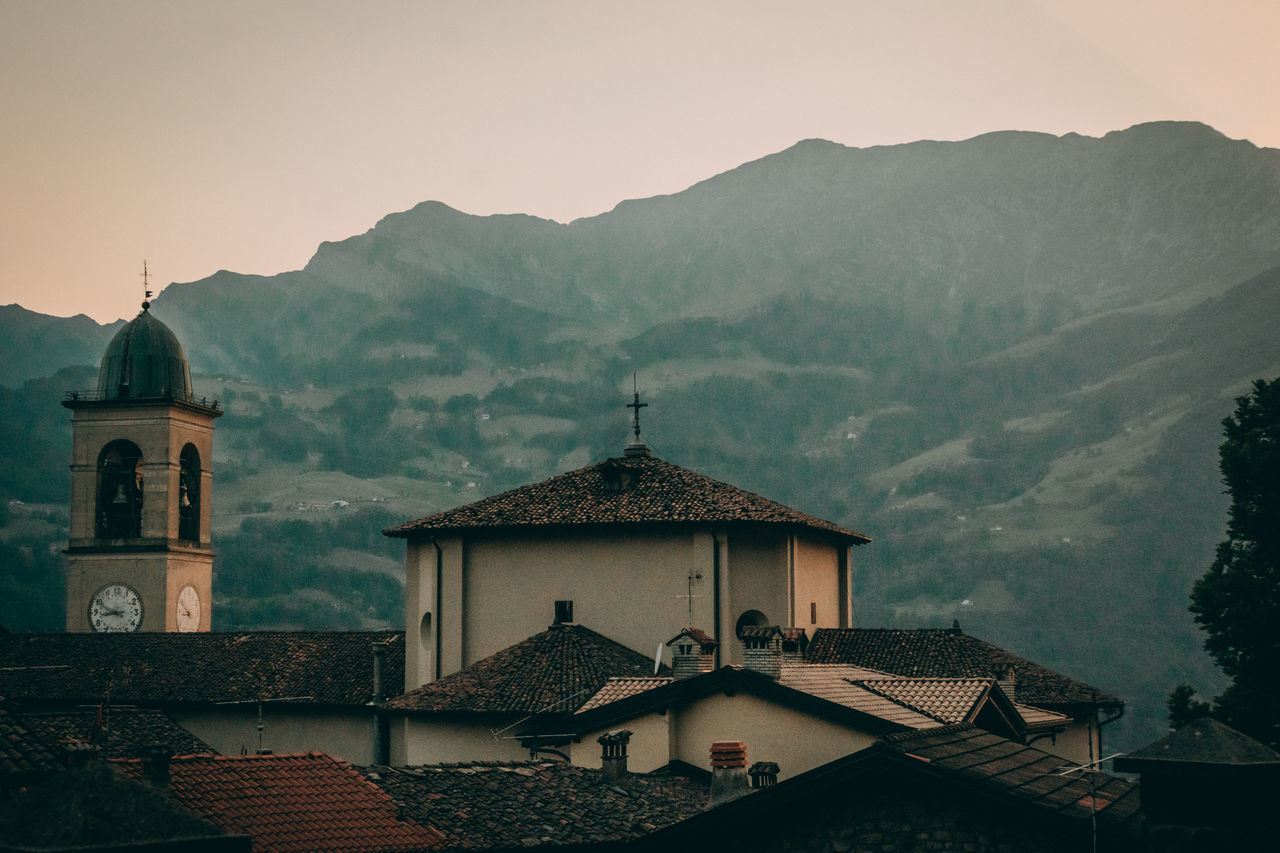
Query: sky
[[240, 134]]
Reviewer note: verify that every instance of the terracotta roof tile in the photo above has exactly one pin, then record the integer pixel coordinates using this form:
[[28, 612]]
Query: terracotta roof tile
[[330, 667], [554, 671], [616, 689], [951, 700], [645, 490], [948, 653], [307, 803], [539, 803], [24, 754], [839, 683]]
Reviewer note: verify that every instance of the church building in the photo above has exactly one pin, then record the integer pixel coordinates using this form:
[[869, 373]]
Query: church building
[[139, 556], [635, 546]]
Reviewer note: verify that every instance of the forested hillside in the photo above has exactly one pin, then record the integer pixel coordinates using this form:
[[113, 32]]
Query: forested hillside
[[1005, 360]]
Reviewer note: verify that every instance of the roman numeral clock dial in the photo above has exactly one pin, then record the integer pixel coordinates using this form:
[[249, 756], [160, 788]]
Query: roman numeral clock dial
[[116, 608]]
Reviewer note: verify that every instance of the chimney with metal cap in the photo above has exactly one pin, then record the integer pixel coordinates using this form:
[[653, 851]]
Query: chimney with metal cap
[[1004, 674], [728, 771], [762, 649], [613, 757], [763, 774]]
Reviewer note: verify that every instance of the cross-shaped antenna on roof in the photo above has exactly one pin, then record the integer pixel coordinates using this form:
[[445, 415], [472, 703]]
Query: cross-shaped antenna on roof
[[146, 286], [690, 596], [637, 405]]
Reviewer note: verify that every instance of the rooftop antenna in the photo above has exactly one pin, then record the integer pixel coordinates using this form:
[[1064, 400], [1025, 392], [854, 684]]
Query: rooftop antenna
[[146, 286], [693, 576], [637, 446]]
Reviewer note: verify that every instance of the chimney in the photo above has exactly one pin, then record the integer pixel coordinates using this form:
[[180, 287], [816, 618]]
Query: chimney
[[763, 774], [762, 649], [613, 757], [728, 771], [156, 766], [794, 643], [693, 652], [1004, 675], [564, 613]]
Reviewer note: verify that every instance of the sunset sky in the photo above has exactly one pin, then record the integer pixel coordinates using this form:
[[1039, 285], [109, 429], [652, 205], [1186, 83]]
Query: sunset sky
[[239, 134]]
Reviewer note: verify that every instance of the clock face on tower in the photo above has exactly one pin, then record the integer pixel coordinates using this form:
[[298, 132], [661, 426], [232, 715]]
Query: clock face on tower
[[188, 613], [116, 607]]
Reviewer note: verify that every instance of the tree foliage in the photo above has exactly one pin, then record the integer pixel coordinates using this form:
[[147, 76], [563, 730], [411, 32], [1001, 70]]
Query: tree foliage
[[1237, 601]]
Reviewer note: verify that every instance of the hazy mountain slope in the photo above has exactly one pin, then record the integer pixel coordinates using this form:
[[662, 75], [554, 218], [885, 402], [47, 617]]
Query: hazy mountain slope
[[1004, 359], [37, 345]]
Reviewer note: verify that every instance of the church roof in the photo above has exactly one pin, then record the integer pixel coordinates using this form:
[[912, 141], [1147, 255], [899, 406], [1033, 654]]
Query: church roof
[[312, 667], [306, 803], [631, 490], [949, 653], [556, 670], [144, 361], [538, 803]]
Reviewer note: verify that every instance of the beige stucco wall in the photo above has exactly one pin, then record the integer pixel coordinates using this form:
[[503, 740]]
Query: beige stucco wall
[[1079, 743], [487, 593], [651, 746], [795, 740], [817, 586], [233, 730], [433, 740]]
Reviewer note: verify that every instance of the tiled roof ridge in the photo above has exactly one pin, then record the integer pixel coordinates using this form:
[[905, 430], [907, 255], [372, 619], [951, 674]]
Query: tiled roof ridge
[[914, 734], [910, 650], [895, 700]]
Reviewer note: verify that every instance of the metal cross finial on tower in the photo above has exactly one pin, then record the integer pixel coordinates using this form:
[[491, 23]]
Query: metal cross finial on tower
[[146, 287], [637, 405], [637, 446]]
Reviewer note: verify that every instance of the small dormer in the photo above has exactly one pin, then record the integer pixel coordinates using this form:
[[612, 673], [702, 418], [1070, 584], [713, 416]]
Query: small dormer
[[615, 476], [693, 652]]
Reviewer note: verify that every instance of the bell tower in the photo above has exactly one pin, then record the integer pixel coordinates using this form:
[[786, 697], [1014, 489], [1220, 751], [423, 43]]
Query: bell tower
[[139, 557]]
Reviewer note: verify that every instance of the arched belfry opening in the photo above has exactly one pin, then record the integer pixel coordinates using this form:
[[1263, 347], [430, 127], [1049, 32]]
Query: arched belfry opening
[[189, 505], [118, 511]]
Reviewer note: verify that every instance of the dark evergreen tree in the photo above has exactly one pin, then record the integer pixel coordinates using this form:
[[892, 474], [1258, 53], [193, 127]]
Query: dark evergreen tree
[[1237, 601]]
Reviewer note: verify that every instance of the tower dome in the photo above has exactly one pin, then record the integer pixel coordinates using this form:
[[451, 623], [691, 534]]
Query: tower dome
[[144, 361]]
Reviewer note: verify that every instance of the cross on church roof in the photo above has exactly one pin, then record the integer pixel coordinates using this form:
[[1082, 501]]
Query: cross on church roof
[[146, 287], [637, 446]]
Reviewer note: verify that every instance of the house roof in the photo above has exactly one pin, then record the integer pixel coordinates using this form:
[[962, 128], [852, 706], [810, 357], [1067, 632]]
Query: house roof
[[951, 700], [949, 653], [633, 490], [83, 807], [1204, 747], [960, 759], [1037, 778], [554, 671], [728, 680], [23, 754], [305, 803], [121, 732], [840, 683], [620, 688], [311, 667], [538, 803]]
